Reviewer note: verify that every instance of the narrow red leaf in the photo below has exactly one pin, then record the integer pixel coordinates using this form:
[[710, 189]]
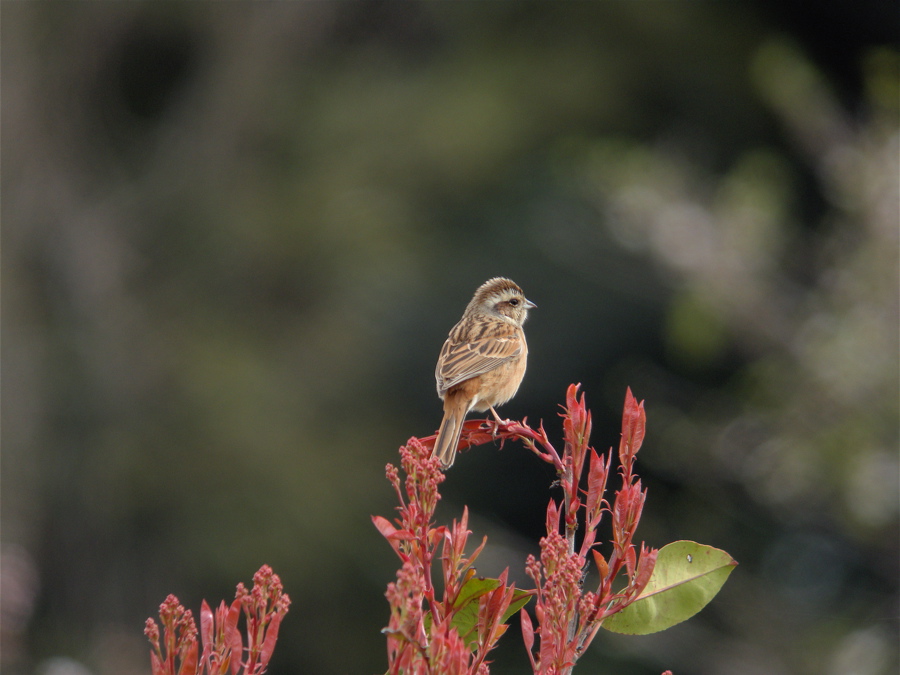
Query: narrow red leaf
[[391, 533], [646, 563], [498, 599], [189, 664], [478, 550], [552, 517], [633, 424], [207, 624], [571, 396], [233, 635], [527, 634], [384, 526], [630, 560], [268, 645], [156, 666], [590, 536], [497, 633], [598, 472], [600, 562]]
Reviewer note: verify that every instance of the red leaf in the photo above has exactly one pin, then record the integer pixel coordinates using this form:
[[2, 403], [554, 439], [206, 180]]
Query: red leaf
[[156, 666], [384, 526], [189, 664], [552, 517], [633, 423], [498, 599], [500, 602], [527, 636], [572, 391], [576, 429], [598, 472], [478, 550], [391, 533], [590, 536], [207, 625], [630, 560], [233, 635], [600, 562], [646, 563], [268, 645]]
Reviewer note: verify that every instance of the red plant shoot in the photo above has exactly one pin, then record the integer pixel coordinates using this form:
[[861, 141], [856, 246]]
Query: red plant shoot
[[450, 632], [568, 616], [264, 607]]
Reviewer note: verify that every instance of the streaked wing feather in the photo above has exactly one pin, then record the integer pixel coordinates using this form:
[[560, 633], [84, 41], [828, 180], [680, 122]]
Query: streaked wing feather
[[460, 361]]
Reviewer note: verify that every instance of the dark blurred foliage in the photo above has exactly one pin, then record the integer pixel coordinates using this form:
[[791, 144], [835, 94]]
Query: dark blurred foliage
[[235, 236]]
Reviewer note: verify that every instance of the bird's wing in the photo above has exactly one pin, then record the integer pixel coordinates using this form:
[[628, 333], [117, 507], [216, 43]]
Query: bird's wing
[[464, 359]]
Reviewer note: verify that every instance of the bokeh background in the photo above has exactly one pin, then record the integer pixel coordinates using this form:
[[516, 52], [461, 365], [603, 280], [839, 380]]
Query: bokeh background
[[235, 236]]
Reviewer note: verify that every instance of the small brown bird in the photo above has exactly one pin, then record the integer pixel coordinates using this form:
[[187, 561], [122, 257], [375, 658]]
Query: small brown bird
[[483, 360]]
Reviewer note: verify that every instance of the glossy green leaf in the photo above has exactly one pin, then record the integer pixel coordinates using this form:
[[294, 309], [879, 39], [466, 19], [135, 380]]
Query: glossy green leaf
[[520, 599], [465, 620], [686, 577], [473, 589]]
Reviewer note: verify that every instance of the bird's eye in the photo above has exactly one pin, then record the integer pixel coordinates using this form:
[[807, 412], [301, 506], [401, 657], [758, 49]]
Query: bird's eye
[[514, 301]]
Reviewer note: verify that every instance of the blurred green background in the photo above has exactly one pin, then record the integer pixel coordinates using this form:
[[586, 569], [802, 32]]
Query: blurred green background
[[235, 236]]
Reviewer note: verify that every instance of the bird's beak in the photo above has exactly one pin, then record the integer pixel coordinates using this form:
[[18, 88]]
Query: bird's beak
[[529, 304]]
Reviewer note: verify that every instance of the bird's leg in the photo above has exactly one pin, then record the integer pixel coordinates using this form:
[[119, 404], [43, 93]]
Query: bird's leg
[[499, 422]]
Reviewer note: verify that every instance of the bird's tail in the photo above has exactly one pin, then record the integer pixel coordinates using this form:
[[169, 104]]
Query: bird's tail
[[445, 445]]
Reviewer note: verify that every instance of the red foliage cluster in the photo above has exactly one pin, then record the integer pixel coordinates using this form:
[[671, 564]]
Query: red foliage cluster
[[451, 633], [568, 616], [264, 606]]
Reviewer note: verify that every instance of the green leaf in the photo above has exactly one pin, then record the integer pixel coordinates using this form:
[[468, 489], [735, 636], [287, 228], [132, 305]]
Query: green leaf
[[520, 599], [686, 577], [473, 589], [465, 619]]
